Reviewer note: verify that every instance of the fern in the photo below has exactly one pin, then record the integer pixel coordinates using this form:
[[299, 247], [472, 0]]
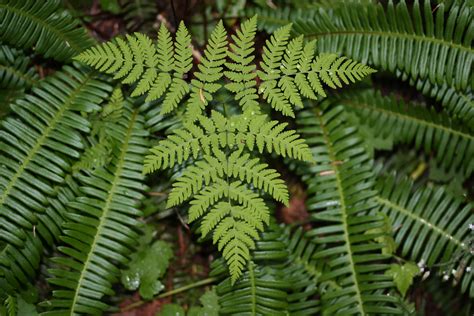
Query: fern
[[453, 144], [458, 103], [241, 72], [209, 72], [440, 50], [224, 198], [283, 60], [157, 70], [343, 181], [236, 213], [36, 145], [43, 26], [15, 72], [102, 230], [430, 225]]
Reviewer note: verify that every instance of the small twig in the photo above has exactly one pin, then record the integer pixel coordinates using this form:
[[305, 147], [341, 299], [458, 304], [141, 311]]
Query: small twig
[[158, 193], [172, 292]]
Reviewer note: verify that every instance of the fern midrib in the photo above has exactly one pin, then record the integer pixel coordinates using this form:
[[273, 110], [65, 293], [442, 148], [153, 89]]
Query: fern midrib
[[340, 190], [19, 74], [45, 25], [253, 289], [421, 220], [40, 142], [420, 38], [363, 105], [106, 209]]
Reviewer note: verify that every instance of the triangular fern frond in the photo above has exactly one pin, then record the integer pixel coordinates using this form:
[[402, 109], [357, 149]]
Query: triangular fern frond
[[100, 233], [344, 182], [42, 26], [453, 144], [430, 225], [438, 42], [157, 70], [37, 143]]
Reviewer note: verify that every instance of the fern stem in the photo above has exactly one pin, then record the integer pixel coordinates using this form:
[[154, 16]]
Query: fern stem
[[172, 292]]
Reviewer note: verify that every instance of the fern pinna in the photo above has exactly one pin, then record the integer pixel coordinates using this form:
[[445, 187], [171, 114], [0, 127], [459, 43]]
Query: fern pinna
[[225, 190]]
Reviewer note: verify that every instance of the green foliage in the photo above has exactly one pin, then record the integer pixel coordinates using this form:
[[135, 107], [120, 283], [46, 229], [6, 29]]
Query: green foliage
[[37, 145], [210, 305], [414, 124], [403, 275], [15, 70], [430, 225], [101, 228], [220, 111], [43, 26], [157, 70], [227, 204], [146, 267], [344, 183], [438, 43]]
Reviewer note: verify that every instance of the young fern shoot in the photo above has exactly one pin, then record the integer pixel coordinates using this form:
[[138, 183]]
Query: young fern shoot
[[226, 178]]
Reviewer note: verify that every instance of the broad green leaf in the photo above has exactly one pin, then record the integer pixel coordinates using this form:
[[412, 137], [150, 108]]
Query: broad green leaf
[[210, 305], [146, 267], [403, 275], [171, 310]]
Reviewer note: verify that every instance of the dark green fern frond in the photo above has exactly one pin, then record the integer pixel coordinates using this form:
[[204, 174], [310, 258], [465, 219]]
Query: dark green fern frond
[[157, 70], [44, 26], [452, 144], [15, 70], [459, 103], [289, 70], [439, 49], [36, 144], [101, 231], [430, 225], [341, 190], [258, 292]]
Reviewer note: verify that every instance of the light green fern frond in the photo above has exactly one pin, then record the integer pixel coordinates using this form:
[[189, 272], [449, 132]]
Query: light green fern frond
[[341, 190], [253, 132], [210, 70], [431, 226], [101, 228], [157, 70], [44, 26], [241, 70], [219, 165], [290, 70]]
